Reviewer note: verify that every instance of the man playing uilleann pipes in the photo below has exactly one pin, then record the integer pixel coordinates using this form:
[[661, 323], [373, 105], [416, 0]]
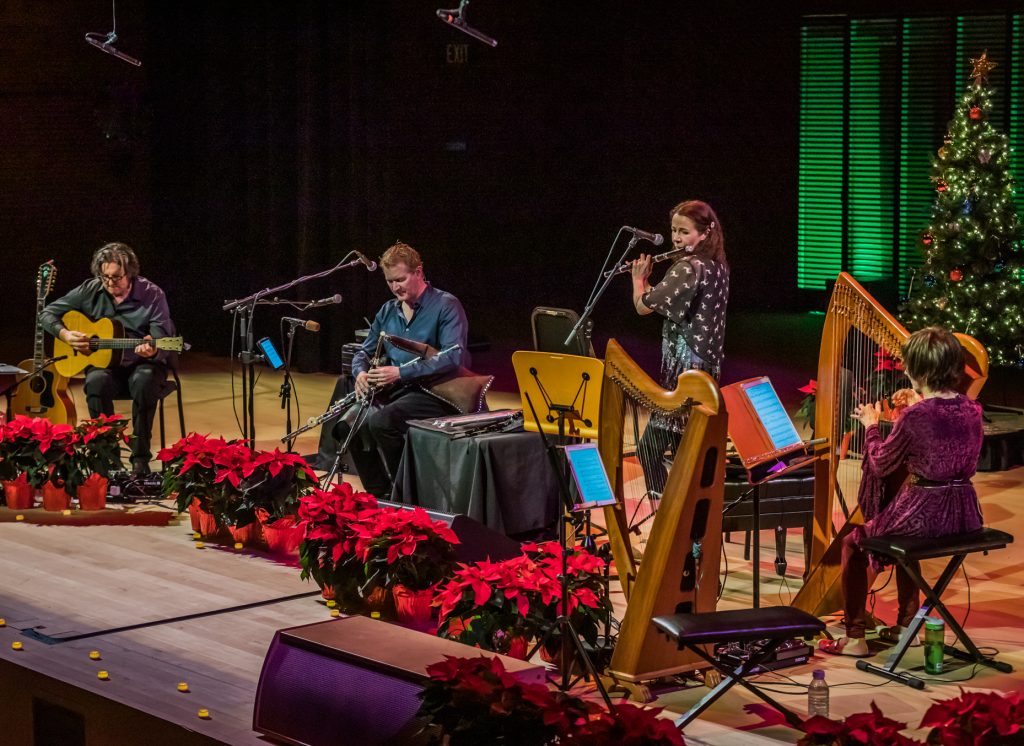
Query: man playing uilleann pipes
[[116, 291], [421, 313]]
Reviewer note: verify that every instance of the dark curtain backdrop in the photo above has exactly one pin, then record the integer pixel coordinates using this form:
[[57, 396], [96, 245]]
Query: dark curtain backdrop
[[285, 136], [263, 140]]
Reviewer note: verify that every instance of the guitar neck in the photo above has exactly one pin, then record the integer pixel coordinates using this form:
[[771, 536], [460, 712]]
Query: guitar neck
[[39, 351], [123, 343]]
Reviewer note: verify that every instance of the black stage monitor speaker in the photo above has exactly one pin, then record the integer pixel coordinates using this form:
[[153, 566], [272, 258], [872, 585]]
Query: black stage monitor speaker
[[552, 325], [476, 541], [353, 680]]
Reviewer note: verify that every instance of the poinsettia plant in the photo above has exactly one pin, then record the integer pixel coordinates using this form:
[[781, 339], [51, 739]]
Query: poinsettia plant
[[976, 719], [405, 547], [805, 413], [972, 719], [490, 604], [189, 469], [37, 448], [97, 449], [328, 552], [232, 481], [469, 701], [856, 730]]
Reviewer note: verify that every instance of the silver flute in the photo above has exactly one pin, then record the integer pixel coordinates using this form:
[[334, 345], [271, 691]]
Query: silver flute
[[625, 266]]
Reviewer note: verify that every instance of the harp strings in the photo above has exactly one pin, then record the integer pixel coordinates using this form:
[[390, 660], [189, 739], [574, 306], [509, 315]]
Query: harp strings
[[650, 441]]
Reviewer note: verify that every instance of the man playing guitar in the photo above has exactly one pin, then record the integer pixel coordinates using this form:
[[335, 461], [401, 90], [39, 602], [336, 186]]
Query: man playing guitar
[[117, 292], [421, 313]]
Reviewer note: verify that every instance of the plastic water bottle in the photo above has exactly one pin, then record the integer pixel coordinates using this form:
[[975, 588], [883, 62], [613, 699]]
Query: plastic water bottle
[[934, 644], [817, 695]]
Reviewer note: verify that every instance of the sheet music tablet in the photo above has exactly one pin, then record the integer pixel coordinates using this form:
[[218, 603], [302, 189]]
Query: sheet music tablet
[[594, 489], [772, 414]]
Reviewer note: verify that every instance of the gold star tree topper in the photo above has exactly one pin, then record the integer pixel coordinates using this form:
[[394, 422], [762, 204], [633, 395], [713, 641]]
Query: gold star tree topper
[[980, 68]]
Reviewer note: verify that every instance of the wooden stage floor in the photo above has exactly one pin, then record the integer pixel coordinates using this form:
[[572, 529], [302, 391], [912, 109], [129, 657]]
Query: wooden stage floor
[[160, 612]]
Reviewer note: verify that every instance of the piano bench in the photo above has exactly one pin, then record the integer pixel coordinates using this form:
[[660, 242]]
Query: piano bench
[[773, 625], [907, 551]]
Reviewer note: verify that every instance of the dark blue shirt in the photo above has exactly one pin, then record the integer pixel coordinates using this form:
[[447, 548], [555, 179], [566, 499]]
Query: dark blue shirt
[[438, 320]]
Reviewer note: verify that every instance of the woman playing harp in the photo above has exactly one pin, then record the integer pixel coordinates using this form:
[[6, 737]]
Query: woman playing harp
[[692, 298], [938, 439]]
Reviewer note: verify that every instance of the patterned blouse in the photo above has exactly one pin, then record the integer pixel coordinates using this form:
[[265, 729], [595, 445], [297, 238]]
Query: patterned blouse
[[692, 297]]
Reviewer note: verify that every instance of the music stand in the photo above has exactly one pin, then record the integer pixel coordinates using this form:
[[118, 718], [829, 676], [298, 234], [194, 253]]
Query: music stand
[[9, 381], [567, 386], [768, 444], [564, 623]]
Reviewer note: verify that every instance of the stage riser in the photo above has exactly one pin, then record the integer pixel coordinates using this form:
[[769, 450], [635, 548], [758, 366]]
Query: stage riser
[[71, 716]]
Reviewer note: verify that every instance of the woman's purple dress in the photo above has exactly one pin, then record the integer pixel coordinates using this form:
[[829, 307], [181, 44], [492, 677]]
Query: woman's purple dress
[[940, 441]]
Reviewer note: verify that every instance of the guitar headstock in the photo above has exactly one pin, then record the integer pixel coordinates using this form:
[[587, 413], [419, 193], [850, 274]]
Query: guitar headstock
[[45, 278], [174, 344]]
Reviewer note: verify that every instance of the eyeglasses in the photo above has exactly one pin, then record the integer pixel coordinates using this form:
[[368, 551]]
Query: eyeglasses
[[111, 279]]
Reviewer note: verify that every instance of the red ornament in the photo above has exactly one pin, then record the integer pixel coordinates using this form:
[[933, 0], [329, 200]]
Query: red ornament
[[975, 112], [956, 275], [926, 239], [941, 185]]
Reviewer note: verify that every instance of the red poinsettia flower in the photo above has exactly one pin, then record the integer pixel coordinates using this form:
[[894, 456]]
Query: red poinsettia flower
[[275, 461], [810, 389]]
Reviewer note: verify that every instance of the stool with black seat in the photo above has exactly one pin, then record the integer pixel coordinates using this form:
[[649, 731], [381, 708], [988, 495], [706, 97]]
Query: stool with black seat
[[906, 551], [772, 626]]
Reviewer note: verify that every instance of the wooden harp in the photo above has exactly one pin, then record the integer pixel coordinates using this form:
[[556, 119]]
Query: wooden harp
[[666, 556], [860, 360]]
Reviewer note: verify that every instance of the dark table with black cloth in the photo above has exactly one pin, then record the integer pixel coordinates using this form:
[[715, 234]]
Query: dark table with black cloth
[[502, 480]]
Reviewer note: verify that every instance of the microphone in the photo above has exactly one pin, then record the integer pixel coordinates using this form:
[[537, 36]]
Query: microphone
[[454, 18], [336, 298], [307, 324], [106, 44], [655, 238], [369, 263]]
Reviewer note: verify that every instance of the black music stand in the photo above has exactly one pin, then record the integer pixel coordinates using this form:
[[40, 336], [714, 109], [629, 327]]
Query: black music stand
[[563, 623]]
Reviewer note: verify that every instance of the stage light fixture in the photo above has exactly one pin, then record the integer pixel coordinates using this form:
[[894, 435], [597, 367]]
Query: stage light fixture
[[105, 42], [456, 18]]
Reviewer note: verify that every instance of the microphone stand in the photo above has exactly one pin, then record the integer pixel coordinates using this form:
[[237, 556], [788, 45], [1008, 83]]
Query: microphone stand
[[601, 286], [245, 310], [286, 387]]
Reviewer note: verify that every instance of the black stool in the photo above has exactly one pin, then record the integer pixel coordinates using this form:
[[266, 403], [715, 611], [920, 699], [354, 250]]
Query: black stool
[[774, 625], [905, 551]]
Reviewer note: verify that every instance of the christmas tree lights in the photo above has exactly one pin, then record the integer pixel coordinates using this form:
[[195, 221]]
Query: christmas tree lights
[[972, 280]]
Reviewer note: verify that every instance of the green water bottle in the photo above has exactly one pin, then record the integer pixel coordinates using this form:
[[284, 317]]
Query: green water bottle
[[934, 644]]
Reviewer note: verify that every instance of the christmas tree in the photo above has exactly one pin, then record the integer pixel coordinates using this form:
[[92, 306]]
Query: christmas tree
[[972, 280]]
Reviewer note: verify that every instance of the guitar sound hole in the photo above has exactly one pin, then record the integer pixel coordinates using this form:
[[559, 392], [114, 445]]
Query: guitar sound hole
[[37, 385]]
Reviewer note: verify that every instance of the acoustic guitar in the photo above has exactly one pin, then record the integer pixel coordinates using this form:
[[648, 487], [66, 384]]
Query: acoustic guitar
[[107, 343], [45, 394]]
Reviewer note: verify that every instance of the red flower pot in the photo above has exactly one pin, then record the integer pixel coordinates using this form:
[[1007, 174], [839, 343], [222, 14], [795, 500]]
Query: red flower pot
[[518, 648], [55, 498], [248, 535], [413, 607], [194, 512], [202, 522], [92, 494], [18, 493], [283, 536]]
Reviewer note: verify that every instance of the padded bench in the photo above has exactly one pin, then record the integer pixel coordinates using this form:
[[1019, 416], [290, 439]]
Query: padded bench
[[773, 625], [906, 551]]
